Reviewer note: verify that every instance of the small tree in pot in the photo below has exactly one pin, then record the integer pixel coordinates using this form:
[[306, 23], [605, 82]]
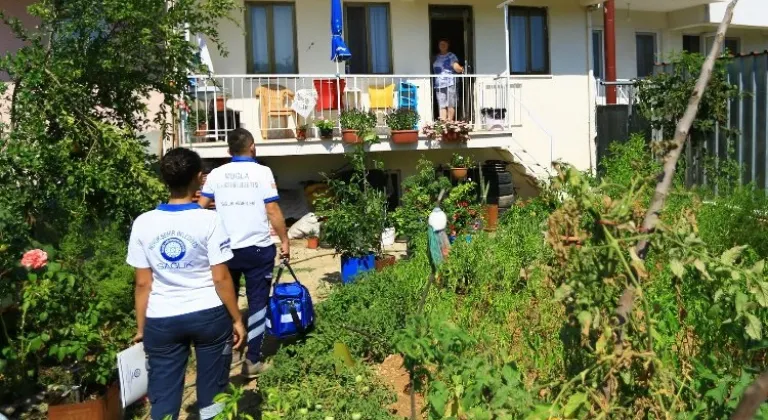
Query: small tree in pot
[[403, 125], [354, 213], [354, 123]]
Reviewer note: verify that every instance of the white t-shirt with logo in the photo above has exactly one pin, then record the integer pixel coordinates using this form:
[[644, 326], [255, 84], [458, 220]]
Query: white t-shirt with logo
[[242, 188], [180, 243]]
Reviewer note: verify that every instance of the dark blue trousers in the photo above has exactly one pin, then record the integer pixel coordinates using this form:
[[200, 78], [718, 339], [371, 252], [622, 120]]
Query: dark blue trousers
[[257, 265], [167, 342]]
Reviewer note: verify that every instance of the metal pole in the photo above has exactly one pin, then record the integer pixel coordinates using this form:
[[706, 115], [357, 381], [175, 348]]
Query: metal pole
[[610, 50]]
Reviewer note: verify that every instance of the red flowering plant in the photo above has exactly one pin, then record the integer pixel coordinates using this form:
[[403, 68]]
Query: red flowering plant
[[463, 209]]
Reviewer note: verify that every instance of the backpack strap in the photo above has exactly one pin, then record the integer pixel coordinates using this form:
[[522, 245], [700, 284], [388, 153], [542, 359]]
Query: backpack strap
[[296, 319]]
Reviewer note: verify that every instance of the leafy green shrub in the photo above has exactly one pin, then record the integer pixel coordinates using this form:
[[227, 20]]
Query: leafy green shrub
[[420, 192], [402, 119], [355, 213]]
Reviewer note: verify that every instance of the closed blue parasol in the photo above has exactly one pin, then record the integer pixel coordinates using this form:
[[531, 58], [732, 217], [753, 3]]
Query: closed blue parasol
[[339, 49]]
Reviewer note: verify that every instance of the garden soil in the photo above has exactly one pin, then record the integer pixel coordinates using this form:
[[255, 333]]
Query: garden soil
[[318, 270], [394, 374]]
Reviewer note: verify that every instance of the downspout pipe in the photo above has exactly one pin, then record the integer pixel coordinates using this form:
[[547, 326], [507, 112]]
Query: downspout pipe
[[591, 94], [610, 50]]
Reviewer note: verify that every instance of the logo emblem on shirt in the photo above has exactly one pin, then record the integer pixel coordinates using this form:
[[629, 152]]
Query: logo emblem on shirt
[[173, 249]]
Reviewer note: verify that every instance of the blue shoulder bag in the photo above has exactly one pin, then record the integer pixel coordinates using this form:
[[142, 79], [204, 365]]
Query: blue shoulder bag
[[290, 307]]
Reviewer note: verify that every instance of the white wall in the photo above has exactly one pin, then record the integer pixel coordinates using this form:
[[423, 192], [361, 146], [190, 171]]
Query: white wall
[[747, 13]]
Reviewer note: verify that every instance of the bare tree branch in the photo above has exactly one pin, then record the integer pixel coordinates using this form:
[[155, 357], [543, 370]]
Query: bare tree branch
[[627, 299]]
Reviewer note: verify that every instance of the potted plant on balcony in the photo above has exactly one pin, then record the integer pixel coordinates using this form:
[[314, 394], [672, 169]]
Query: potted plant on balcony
[[354, 122], [325, 126], [403, 125], [301, 132], [449, 131], [460, 165]]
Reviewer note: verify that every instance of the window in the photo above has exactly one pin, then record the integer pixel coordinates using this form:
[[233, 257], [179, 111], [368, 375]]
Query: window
[[271, 38], [598, 58], [731, 45], [368, 38], [645, 52], [528, 40], [692, 43]]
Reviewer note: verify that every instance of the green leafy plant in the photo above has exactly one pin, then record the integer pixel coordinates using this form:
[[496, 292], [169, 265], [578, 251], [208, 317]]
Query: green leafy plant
[[461, 161], [402, 119], [420, 192], [358, 120], [664, 96], [74, 158], [325, 126], [354, 212], [231, 403]]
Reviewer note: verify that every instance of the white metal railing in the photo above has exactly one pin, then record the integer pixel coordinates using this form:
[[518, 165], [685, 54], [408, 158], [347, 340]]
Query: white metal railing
[[273, 107], [626, 93]]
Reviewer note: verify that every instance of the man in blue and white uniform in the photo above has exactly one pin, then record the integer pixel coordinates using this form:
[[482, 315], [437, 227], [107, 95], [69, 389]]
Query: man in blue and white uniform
[[246, 198], [184, 292], [446, 65]]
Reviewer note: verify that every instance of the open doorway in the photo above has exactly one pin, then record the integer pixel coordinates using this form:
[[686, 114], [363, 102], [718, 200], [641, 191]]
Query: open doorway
[[455, 24]]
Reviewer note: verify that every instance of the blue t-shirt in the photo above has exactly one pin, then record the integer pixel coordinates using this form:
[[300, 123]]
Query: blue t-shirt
[[443, 65]]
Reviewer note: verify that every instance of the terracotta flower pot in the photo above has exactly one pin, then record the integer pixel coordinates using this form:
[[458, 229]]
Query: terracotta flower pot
[[313, 242], [385, 261], [301, 134], [459, 174], [105, 408], [450, 137], [405, 136], [350, 137]]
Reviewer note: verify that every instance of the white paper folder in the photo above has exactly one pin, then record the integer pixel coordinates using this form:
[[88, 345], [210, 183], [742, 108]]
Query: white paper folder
[[132, 368]]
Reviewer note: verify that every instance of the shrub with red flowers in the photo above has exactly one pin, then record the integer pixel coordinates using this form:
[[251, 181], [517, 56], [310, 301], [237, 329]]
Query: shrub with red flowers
[[463, 209]]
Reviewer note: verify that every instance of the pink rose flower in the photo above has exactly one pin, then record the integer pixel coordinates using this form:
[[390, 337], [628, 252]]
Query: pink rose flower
[[34, 259]]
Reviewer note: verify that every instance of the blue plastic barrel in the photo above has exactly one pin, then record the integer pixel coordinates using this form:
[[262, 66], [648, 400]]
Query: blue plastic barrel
[[351, 267]]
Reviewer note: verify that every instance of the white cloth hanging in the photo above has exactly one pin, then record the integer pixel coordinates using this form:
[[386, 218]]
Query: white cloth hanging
[[304, 101]]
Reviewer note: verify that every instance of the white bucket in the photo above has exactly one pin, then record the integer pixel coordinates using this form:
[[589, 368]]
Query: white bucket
[[388, 237]]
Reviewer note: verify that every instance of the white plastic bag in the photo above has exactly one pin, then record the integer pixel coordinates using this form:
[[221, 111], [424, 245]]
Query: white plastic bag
[[304, 227]]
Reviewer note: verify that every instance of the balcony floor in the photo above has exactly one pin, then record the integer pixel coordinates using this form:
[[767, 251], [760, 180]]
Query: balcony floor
[[293, 147]]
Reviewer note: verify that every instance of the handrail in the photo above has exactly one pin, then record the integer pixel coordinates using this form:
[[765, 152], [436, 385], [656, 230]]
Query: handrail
[[343, 76]]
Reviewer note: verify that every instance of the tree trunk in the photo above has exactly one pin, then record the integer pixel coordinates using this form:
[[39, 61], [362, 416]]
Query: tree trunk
[[627, 299]]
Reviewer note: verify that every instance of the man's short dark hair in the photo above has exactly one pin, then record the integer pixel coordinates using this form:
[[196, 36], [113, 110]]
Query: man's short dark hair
[[179, 168], [446, 40], [239, 140]]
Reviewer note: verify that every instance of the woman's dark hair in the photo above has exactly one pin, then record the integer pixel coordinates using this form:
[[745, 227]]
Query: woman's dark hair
[[179, 168]]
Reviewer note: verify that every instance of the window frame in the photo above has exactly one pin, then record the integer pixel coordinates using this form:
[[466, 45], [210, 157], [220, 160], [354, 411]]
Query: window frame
[[269, 6], [547, 47], [655, 51], [708, 39], [369, 60], [701, 39], [601, 61]]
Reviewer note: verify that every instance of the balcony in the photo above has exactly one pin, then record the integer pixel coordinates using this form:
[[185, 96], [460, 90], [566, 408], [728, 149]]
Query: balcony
[[274, 107], [626, 92]]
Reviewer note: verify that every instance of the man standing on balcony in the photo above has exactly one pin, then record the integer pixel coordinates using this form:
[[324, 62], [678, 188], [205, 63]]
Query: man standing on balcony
[[446, 65], [246, 199]]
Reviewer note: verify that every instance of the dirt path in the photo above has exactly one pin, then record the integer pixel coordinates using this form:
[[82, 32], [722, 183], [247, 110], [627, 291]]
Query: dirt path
[[318, 270]]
